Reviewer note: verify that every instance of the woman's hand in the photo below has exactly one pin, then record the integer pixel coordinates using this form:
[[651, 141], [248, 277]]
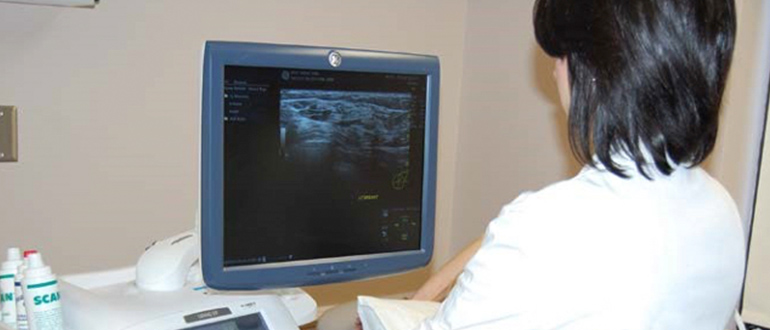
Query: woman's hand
[[359, 326]]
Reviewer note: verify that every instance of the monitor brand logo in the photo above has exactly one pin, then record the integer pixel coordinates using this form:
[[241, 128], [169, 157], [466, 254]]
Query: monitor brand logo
[[335, 59]]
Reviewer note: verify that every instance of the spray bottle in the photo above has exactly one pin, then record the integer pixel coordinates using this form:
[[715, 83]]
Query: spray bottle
[[41, 296], [21, 310], [7, 290]]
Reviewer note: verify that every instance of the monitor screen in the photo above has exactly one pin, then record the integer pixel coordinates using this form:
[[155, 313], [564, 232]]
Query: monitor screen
[[315, 171]]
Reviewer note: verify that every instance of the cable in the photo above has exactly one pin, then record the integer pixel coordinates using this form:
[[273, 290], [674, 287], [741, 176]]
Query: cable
[[739, 321]]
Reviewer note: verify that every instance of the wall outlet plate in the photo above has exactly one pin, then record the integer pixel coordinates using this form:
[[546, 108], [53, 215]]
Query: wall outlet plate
[[9, 142]]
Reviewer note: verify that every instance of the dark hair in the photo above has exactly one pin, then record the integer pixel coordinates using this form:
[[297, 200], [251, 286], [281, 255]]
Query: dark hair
[[646, 76]]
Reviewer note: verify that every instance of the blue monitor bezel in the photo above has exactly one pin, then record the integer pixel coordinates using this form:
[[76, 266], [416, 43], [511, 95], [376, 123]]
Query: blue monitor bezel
[[216, 55]]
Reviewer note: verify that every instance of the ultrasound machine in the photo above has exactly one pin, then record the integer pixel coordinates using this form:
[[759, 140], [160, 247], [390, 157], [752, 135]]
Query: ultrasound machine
[[317, 165]]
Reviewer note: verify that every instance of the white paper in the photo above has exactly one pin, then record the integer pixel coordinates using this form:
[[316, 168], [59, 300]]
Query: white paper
[[394, 314]]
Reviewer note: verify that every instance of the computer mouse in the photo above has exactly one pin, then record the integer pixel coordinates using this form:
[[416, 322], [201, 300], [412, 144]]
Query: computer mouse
[[165, 265]]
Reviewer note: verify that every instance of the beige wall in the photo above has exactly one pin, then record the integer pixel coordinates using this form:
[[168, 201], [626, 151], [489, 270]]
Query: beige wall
[[109, 102], [512, 130]]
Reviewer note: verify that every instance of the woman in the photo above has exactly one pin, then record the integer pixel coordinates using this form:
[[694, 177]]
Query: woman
[[642, 237]]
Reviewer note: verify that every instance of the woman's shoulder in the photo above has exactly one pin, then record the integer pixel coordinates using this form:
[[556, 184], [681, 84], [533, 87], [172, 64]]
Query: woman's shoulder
[[569, 203], [578, 190], [597, 196]]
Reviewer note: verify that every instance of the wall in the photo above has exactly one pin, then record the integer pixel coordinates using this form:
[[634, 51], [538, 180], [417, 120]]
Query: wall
[[512, 128], [109, 102]]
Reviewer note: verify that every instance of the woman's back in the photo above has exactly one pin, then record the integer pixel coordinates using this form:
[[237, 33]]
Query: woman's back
[[603, 252]]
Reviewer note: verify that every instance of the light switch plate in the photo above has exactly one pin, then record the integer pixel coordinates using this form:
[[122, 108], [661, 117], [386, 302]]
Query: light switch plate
[[9, 145]]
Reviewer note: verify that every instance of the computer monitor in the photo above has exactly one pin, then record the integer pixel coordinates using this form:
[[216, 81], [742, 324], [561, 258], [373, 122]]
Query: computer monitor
[[318, 165]]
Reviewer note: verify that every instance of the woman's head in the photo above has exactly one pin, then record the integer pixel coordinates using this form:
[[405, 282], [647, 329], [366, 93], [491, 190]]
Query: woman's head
[[646, 76]]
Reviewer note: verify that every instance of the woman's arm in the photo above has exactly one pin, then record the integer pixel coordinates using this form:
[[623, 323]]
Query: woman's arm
[[438, 285]]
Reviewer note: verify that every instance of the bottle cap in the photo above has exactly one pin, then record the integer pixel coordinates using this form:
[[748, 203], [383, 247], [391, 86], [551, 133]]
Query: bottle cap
[[13, 262], [13, 254], [22, 267], [28, 252], [35, 261], [36, 267]]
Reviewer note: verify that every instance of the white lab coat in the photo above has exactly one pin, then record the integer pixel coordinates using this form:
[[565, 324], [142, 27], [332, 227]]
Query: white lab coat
[[602, 252]]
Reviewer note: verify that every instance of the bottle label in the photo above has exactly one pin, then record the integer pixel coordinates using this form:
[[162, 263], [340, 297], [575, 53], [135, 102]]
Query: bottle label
[[21, 311], [8, 298], [44, 307]]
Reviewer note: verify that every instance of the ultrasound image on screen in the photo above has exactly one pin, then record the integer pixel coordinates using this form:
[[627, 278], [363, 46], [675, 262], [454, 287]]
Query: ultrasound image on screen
[[321, 164], [347, 130]]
